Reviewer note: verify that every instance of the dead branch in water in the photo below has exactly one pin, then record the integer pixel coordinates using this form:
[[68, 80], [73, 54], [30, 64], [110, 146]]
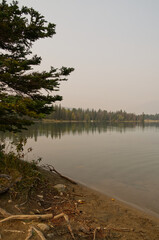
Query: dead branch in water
[[52, 169]]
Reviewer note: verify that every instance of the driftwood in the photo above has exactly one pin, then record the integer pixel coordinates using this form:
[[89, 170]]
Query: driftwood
[[34, 229], [8, 217], [68, 222], [27, 217], [52, 169], [41, 235], [4, 213], [43, 217], [14, 231], [30, 233]]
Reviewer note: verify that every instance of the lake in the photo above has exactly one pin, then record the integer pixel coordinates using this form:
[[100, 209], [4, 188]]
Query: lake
[[120, 160]]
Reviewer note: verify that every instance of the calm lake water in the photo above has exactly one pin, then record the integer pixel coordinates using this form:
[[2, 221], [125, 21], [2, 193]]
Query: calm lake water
[[119, 160]]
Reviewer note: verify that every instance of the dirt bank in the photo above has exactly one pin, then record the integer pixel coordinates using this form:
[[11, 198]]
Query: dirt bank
[[87, 214]]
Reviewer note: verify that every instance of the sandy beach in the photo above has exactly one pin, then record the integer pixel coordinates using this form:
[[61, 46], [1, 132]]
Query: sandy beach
[[91, 215]]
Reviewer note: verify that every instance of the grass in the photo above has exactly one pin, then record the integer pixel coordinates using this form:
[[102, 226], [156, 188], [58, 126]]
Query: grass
[[25, 176]]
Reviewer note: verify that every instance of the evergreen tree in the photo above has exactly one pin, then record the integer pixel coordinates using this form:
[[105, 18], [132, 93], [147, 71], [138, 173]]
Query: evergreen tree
[[24, 93]]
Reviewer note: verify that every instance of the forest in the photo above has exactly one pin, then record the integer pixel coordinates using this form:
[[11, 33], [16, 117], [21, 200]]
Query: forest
[[154, 117], [66, 114]]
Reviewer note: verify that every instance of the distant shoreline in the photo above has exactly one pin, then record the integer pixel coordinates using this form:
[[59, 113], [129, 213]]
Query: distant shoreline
[[151, 121], [74, 121]]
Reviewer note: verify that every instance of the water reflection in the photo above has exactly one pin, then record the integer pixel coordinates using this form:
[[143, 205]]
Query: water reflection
[[57, 130]]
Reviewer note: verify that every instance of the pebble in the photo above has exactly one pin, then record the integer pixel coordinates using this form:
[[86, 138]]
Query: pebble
[[60, 187], [40, 196], [50, 235]]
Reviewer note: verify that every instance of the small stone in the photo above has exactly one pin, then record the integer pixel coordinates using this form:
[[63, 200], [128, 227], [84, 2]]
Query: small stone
[[50, 235], [80, 201], [40, 196], [43, 227], [9, 201], [60, 187]]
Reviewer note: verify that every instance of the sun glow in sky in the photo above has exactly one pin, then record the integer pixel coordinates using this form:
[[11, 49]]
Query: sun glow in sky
[[113, 46]]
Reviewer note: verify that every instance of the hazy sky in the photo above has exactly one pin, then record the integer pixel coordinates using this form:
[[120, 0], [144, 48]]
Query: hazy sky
[[113, 46]]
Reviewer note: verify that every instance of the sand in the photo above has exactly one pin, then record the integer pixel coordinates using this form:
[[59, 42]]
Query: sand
[[91, 215]]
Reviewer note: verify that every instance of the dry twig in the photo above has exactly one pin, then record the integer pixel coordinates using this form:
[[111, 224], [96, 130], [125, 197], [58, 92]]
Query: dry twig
[[119, 229], [30, 233], [14, 231], [94, 234]]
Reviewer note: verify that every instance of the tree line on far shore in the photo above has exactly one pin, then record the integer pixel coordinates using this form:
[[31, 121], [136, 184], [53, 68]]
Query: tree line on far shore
[[152, 116], [66, 114]]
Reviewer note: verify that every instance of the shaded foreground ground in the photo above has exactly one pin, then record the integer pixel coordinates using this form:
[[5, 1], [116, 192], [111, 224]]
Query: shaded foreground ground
[[91, 215]]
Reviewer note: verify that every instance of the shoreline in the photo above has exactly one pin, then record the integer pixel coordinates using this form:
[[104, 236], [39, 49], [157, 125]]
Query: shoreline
[[92, 214], [125, 204], [132, 205]]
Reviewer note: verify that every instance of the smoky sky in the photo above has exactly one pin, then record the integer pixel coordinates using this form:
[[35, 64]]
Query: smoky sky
[[113, 46]]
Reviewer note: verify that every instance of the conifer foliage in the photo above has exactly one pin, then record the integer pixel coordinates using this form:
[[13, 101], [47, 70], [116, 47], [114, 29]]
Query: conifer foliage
[[24, 93]]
